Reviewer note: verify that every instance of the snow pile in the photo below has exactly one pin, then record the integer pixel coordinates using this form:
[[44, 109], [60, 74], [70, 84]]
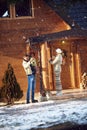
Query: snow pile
[[43, 114]]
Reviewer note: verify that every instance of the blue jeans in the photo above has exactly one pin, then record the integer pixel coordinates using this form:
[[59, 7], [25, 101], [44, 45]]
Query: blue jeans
[[31, 87]]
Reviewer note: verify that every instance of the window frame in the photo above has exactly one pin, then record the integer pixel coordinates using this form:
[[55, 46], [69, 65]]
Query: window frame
[[12, 13]]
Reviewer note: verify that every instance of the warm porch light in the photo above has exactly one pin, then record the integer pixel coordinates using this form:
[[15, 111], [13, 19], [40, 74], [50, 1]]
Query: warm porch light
[[63, 41]]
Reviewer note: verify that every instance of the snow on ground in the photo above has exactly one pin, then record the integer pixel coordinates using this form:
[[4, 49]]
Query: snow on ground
[[43, 114]]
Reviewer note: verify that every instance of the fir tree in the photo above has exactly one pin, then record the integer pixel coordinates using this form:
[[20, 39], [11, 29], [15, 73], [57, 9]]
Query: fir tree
[[10, 90]]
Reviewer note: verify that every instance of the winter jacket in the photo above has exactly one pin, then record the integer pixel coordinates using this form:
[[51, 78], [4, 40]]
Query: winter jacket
[[57, 62], [27, 68]]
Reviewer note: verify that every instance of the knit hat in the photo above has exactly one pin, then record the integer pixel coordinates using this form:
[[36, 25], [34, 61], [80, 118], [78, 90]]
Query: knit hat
[[58, 50]]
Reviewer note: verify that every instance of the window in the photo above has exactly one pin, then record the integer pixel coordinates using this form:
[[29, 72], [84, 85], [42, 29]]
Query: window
[[21, 8], [4, 9]]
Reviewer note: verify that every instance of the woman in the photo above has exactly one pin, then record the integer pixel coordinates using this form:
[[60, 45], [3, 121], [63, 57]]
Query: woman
[[57, 62]]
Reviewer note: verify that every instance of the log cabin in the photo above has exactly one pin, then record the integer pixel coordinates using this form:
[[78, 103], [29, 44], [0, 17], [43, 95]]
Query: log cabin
[[42, 27]]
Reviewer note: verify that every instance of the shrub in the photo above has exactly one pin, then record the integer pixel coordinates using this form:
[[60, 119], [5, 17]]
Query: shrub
[[10, 90]]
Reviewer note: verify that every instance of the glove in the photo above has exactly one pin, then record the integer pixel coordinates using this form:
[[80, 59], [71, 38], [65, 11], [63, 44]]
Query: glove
[[50, 61]]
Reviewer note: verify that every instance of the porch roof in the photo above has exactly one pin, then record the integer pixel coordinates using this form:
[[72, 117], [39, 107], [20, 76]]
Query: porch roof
[[68, 34]]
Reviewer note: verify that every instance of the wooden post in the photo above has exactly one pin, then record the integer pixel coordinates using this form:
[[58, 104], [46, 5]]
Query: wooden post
[[78, 71], [50, 86], [77, 66], [44, 65], [72, 67], [42, 89], [72, 72]]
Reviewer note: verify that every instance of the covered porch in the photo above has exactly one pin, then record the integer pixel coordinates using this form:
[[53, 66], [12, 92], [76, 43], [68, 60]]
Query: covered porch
[[70, 41]]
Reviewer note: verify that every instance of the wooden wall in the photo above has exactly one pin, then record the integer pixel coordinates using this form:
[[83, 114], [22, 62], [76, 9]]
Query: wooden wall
[[14, 32]]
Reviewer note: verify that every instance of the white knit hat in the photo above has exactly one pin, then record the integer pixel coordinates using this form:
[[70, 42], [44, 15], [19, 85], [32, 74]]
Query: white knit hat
[[58, 50]]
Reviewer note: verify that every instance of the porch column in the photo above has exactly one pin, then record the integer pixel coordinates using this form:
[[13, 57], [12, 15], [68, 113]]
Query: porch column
[[77, 66], [72, 66], [49, 70], [44, 65], [78, 71], [72, 71]]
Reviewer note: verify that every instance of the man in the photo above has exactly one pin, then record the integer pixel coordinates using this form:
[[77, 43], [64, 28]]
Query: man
[[57, 62], [31, 79]]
